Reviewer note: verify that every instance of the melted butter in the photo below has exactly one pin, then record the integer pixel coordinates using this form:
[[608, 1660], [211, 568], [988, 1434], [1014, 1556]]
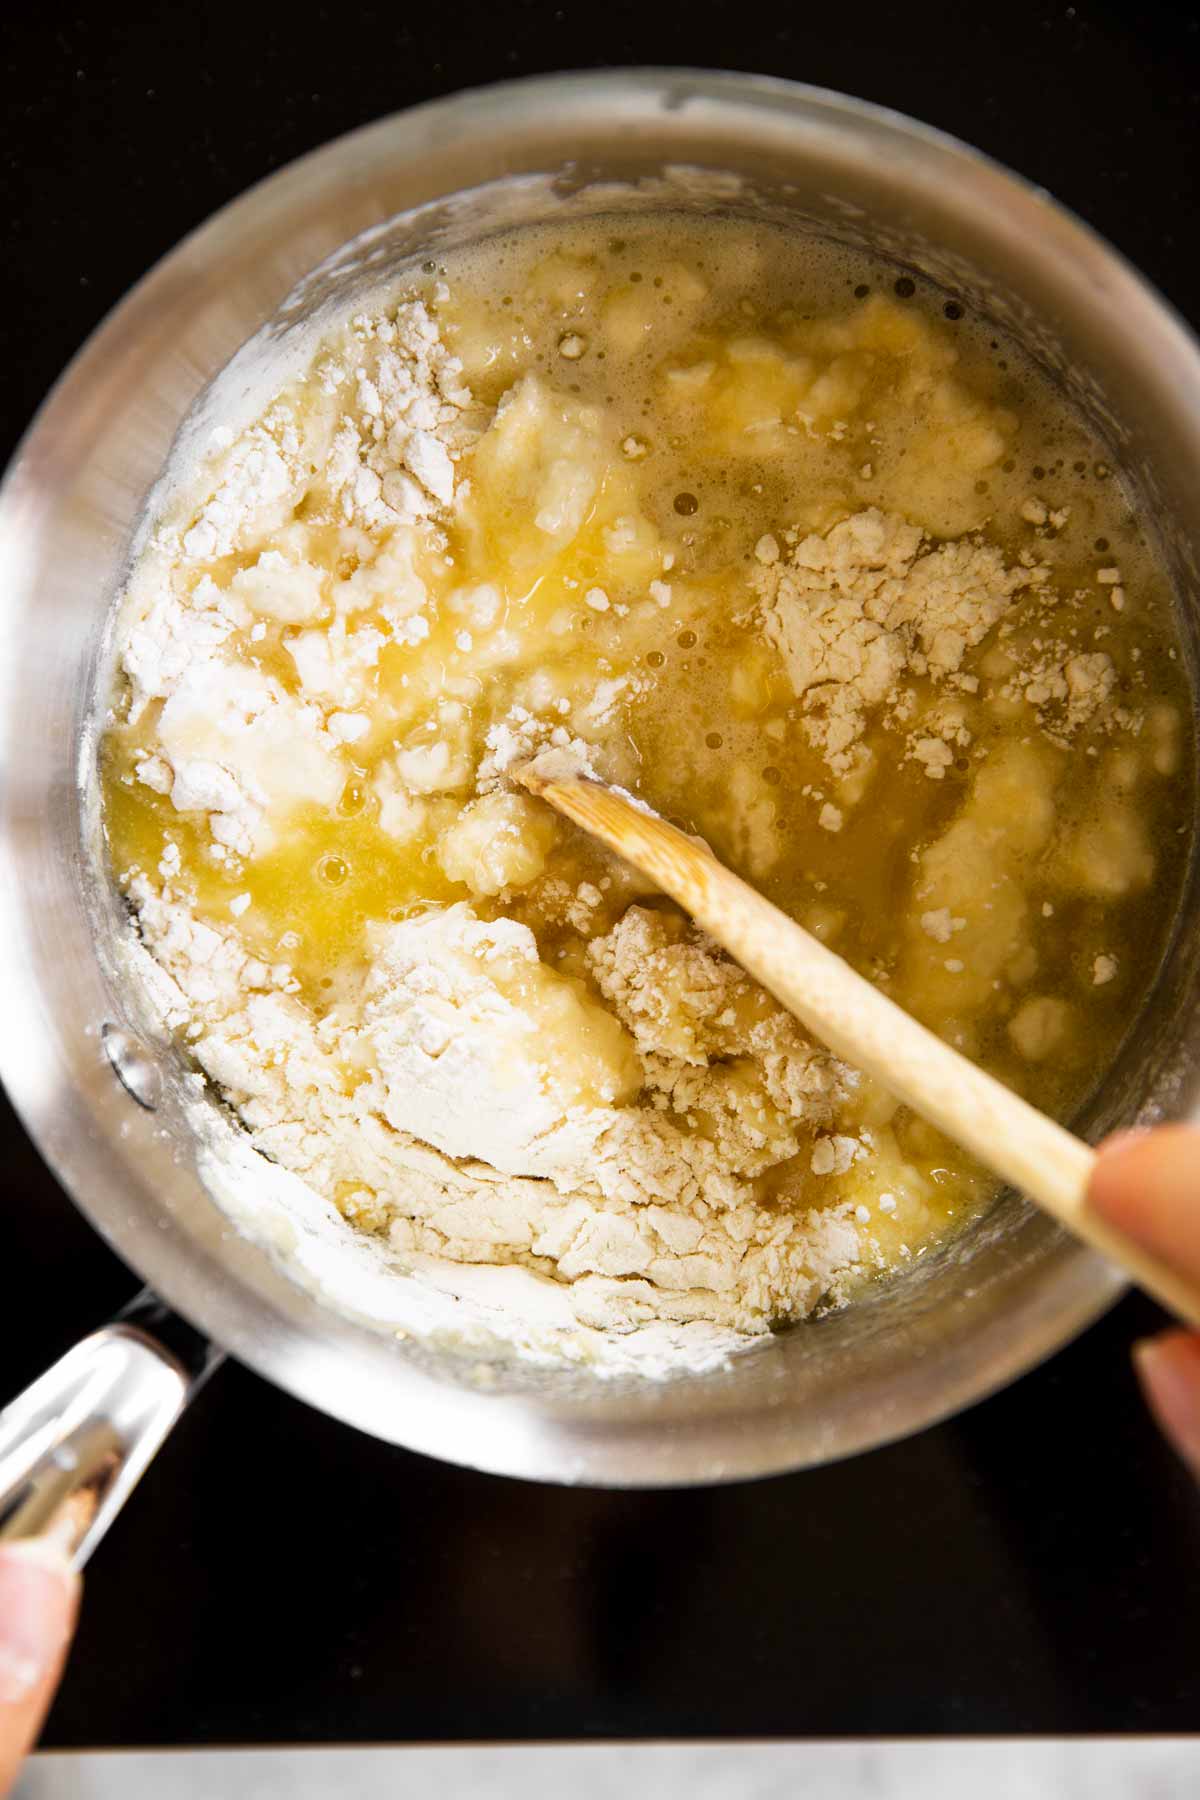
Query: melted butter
[[312, 895]]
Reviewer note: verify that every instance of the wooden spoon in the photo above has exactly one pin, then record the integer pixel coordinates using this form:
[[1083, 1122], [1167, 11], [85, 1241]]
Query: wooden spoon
[[859, 1023]]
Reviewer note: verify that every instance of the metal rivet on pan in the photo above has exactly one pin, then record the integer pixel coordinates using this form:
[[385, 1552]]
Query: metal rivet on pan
[[134, 1067]]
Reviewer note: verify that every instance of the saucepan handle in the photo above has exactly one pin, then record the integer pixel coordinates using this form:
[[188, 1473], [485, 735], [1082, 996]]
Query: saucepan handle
[[74, 1444]]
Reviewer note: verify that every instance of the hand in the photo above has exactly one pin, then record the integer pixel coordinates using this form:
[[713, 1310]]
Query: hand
[[1147, 1183], [39, 1596]]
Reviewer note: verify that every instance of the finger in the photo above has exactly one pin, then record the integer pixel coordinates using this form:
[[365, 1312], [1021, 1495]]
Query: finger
[[1168, 1368], [1147, 1184], [39, 1596]]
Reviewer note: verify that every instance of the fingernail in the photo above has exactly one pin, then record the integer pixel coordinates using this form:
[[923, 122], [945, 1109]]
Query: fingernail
[[37, 1603]]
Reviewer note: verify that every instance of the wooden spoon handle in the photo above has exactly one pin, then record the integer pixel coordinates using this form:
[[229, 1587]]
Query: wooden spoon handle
[[859, 1023]]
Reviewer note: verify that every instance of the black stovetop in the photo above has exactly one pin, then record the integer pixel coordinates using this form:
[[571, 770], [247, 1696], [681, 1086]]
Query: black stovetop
[[1031, 1566]]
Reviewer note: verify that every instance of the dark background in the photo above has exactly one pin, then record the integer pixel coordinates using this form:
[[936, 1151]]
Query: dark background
[[1031, 1566]]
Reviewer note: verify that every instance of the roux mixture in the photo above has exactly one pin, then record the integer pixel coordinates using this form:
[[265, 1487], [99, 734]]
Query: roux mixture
[[779, 540]]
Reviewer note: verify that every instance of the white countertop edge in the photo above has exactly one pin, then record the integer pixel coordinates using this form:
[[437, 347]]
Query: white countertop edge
[[1095, 1768]]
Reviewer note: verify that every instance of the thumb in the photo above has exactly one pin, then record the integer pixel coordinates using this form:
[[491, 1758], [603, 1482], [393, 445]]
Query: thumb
[[39, 1595], [1148, 1185]]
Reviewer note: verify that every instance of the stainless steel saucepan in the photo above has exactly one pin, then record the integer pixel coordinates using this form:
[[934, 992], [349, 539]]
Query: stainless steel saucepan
[[107, 1098]]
